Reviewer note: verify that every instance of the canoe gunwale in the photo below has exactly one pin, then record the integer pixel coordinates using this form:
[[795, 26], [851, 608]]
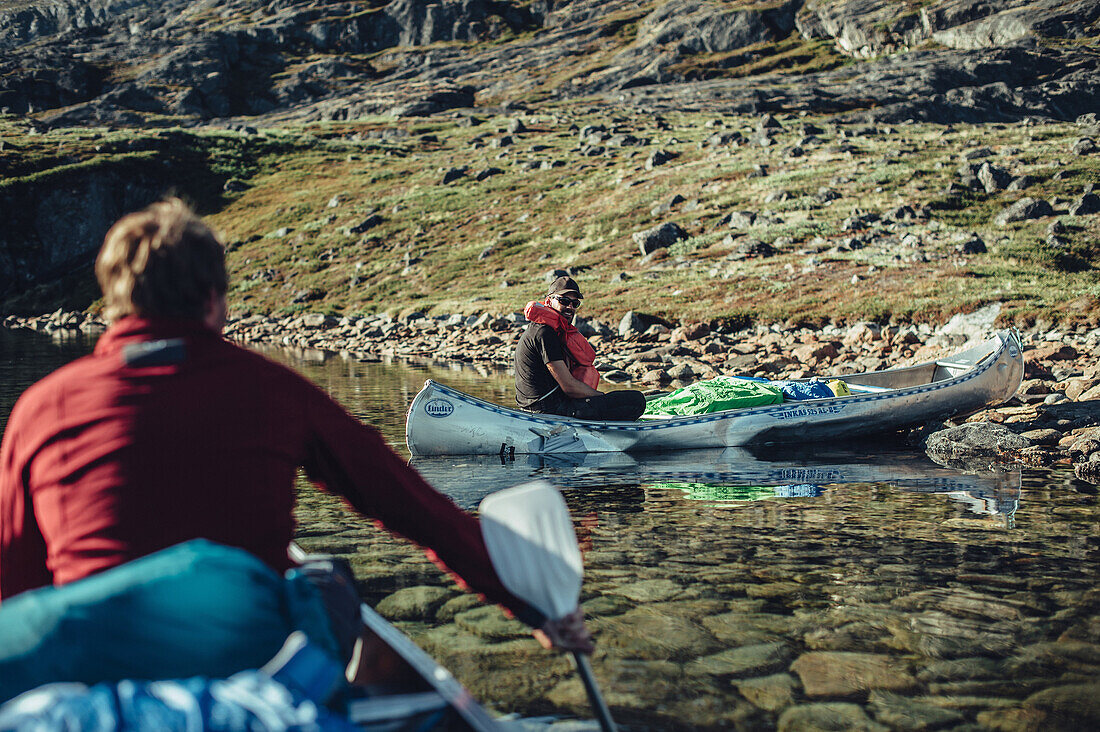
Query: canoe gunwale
[[985, 356], [641, 426]]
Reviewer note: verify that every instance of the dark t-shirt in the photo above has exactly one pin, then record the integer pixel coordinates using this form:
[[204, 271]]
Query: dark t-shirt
[[538, 346]]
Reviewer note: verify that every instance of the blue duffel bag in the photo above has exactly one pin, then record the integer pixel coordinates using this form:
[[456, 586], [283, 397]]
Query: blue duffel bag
[[287, 695], [194, 609]]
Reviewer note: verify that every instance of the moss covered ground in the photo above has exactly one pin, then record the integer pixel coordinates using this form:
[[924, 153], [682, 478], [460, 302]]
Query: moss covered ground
[[355, 217]]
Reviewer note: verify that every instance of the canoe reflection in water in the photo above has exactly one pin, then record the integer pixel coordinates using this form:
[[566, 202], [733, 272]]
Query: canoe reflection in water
[[730, 475]]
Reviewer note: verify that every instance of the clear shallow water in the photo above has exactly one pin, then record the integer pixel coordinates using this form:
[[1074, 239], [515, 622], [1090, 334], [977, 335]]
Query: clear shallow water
[[800, 587]]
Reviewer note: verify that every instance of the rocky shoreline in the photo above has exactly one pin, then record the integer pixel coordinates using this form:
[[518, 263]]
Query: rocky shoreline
[[1053, 418]]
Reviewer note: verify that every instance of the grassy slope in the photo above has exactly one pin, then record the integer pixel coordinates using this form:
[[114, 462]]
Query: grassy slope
[[581, 214]]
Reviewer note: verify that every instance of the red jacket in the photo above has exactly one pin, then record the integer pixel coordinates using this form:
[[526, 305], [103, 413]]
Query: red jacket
[[578, 347], [167, 433]]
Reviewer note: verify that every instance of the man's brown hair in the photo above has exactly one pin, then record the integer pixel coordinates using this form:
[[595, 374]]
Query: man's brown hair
[[162, 261]]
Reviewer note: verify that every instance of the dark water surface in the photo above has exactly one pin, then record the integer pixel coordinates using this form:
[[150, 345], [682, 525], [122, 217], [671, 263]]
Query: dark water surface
[[862, 587]]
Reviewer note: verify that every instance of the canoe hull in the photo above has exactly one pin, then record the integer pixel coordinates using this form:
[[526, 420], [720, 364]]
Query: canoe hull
[[444, 421]]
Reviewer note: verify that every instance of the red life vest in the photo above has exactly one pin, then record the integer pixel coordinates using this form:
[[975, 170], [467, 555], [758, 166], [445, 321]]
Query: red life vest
[[580, 350]]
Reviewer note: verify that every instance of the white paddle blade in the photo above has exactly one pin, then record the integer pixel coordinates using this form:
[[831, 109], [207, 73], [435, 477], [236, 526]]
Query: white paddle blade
[[533, 547]]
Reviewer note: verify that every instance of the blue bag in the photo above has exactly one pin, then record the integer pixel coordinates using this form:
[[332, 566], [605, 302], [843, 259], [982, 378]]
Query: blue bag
[[799, 390], [286, 696], [195, 609]]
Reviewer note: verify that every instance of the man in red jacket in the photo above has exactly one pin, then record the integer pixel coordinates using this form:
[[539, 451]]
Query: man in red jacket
[[168, 433], [554, 363]]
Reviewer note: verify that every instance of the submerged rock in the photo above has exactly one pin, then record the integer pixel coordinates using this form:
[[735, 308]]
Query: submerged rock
[[413, 603], [490, 623], [772, 693], [828, 716], [901, 712], [754, 659], [651, 635], [845, 674], [1075, 706]]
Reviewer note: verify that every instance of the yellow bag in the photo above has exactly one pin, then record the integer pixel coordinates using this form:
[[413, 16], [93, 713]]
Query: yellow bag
[[839, 388]]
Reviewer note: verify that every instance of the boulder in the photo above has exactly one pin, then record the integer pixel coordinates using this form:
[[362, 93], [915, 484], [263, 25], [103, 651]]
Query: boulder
[[453, 174], [658, 158], [366, 224], [971, 326], [487, 173], [691, 331], [973, 245], [768, 122], [633, 323], [318, 320], [659, 237], [1086, 205], [749, 247], [1085, 146], [992, 178], [741, 219], [1024, 209], [1021, 183], [975, 439]]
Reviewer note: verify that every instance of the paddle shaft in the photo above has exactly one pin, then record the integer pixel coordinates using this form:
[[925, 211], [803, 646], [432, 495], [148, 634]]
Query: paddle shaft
[[437, 677], [603, 714], [533, 548]]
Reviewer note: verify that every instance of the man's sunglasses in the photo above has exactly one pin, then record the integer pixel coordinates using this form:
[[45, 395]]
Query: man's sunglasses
[[567, 301]]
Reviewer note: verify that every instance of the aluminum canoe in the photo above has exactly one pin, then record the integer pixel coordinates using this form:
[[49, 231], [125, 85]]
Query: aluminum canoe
[[445, 421]]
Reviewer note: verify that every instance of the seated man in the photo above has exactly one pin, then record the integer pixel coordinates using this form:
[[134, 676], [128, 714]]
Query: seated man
[[169, 433], [554, 364]]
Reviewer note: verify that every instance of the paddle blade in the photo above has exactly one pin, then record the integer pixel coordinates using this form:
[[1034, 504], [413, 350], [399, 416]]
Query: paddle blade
[[533, 547]]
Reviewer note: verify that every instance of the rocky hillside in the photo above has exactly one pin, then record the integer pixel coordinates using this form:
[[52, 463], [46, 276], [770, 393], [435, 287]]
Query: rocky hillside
[[367, 156], [140, 62]]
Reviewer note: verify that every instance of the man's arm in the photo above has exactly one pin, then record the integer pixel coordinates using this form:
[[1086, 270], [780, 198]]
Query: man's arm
[[569, 384], [349, 458]]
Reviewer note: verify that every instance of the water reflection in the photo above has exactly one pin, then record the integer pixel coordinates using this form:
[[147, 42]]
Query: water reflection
[[379, 390], [26, 356], [813, 588], [732, 475]]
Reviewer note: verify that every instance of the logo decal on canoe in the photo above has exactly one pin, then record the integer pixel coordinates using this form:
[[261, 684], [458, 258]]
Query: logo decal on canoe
[[807, 411], [439, 408]]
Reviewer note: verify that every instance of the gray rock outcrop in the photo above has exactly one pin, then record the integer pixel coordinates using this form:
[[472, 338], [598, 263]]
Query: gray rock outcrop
[[136, 61], [659, 237], [1024, 209], [979, 439], [54, 226], [873, 27]]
